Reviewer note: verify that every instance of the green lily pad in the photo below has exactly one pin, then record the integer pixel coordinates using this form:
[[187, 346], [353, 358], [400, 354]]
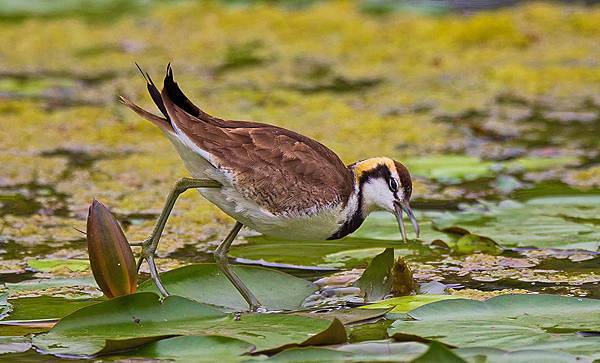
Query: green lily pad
[[210, 348], [457, 168], [206, 283], [493, 355], [14, 344], [450, 168], [376, 281], [5, 306], [505, 322], [46, 307], [349, 252], [133, 320], [404, 304], [383, 351], [383, 226], [550, 222], [48, 265], [346, 316], [469, 243], [438, 353], [43, 284], [533, 163], [126, 322]]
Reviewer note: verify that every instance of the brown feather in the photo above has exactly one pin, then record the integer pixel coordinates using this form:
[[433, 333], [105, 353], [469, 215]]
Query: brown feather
[[279, 169], [161, 122]]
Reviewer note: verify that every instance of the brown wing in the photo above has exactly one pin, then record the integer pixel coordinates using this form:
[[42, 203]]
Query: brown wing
[[277, 168]]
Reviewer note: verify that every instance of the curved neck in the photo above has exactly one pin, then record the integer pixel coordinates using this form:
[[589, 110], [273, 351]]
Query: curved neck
[[354, 213]]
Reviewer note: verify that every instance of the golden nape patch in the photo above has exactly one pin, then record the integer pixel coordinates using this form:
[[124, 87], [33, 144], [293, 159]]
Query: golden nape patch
[[369, 164]]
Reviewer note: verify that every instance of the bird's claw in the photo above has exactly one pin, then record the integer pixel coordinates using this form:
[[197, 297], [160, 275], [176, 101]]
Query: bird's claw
[[147, 254]]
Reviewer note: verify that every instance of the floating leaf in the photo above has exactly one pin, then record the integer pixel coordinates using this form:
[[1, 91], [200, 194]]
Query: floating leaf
[[359, 352], [111, 257], [450, 168], [197, 348], [96, 328], [206, 283], [130, 321], [46, 307], [50, 265], [14, 344], [493, 355], [468, 243], [438, 353], [346, 316], [5, 306], [456, 168], [352, 252], [376, 281], [334, 334], [506, 322], [54, 286], [557, 222], [382, 226], [404, 304], [533, 163]]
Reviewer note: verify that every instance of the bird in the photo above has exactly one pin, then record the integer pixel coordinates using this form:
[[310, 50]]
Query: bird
[[268, 178]]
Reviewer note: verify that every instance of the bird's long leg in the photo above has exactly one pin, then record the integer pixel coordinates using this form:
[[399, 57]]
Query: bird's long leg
[[223, 263], [149, 245]]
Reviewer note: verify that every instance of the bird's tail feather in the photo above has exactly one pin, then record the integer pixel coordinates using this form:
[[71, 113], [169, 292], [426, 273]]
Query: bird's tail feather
[[161, 122], [172, 93], [176, 95]]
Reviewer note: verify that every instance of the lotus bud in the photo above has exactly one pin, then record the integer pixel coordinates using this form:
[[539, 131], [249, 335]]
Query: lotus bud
[[111, 258]]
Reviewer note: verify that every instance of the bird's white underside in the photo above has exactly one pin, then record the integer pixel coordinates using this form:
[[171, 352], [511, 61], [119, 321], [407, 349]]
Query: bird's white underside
[[312, 224]]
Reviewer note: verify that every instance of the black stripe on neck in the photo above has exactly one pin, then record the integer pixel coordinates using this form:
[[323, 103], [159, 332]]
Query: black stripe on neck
[[352, 224]]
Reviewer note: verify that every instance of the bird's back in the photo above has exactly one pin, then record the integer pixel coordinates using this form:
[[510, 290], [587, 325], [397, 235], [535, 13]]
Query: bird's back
[[279, 170]]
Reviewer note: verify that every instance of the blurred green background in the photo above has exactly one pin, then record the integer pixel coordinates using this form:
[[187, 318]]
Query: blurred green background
[[495, 109]]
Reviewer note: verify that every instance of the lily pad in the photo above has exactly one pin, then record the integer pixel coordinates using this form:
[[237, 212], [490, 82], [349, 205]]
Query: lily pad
[[404, 304], [457, 168], [48, 265], [133, 320], [505, 322], [206, 283], [14, 344], [5, 306], [349, 252], [71, 287], [493, 355], [384, 226], [46, 307], [210, 348], [450, 168], [126, 322], [556, 222], [438, 353], [540, 163], [468, 243], [382, 351], [376, 281]]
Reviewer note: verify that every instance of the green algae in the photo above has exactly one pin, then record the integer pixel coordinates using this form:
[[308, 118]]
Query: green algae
[[463, 100]]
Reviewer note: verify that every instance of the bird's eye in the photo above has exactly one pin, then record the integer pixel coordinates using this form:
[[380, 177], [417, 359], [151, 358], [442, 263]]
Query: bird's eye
[[393, 185]]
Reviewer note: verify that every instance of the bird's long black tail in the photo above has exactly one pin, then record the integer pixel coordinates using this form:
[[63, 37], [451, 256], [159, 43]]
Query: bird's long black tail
[[180, 99], [154, 92]]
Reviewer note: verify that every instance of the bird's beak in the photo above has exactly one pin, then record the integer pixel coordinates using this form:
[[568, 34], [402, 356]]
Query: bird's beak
[[405, 207]]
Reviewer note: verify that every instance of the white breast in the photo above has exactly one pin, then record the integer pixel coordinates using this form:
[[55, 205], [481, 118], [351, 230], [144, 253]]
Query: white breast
[[318, 225]]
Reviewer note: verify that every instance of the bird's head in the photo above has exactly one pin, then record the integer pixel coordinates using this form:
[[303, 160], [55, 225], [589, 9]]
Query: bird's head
[[385, 184]]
